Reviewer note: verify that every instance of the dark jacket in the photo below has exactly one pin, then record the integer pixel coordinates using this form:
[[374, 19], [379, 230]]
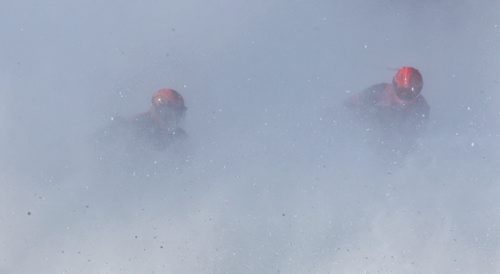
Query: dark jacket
[[380, 107], [142, 132]]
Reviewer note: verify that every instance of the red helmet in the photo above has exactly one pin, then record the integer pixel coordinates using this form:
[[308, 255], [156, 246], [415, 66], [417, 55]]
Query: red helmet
[[168, 106], [408, 82], [168, 98]]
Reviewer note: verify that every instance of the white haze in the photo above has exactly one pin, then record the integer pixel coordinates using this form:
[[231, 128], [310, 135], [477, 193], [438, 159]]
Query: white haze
[[271, 181]]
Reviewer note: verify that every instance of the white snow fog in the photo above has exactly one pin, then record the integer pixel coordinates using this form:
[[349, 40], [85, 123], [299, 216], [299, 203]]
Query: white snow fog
[[272, 177]]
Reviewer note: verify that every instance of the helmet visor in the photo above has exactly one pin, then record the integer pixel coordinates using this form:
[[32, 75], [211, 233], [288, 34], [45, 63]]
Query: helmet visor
[[169, 112], [407, 93]]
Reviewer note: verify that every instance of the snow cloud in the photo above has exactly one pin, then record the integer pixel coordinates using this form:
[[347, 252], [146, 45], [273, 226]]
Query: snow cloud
[[272, 179]]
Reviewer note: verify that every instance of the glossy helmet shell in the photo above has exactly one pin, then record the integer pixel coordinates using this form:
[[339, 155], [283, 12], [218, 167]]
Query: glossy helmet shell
[[168, 98]]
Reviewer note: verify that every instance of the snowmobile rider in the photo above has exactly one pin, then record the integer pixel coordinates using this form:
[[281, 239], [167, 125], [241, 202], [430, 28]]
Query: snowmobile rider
[[397, 107], [161, 124], [155, 129]]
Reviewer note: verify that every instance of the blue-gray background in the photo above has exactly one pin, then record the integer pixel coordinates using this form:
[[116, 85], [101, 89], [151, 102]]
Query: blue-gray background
[[272, 181]]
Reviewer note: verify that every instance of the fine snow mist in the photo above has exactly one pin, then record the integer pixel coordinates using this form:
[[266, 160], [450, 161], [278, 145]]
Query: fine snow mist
[[272, 178]]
